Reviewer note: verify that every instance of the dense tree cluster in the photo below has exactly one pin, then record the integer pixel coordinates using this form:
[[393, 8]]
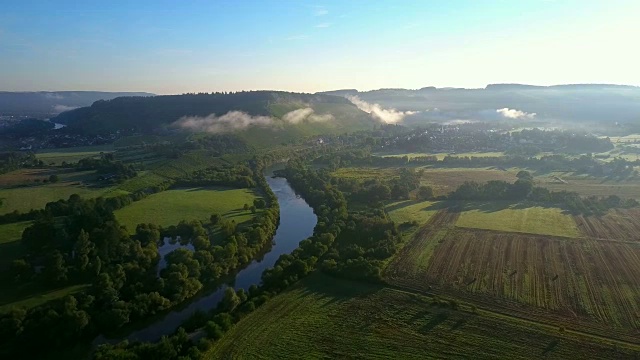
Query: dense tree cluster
[[108, 168], [238, 175], [523, 189], [367, 239], [374, 191], [14, 160], [87, 245]]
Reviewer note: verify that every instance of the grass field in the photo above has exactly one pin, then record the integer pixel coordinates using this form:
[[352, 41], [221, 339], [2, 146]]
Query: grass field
[[12, 232], [29, 295], [10, 248], [171, 206], [327, 318], [408, 210], [36, 197], [533, 220], [70, 155]]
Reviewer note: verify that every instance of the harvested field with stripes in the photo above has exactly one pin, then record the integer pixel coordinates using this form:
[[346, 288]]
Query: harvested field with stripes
[[579, 281], [616, 225]]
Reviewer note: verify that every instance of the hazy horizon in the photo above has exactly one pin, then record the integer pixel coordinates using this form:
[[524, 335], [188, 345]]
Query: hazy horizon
[[314, 46]]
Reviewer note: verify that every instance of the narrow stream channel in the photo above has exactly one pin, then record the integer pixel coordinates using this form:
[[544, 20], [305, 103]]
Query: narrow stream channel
[[297, 221]]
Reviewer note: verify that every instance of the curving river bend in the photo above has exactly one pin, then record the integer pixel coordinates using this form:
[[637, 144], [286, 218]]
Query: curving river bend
[[297, 221]]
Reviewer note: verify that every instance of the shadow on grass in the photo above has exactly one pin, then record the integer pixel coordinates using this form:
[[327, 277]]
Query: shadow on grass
[[400, 205], [458, 324], [485, 206], [435, 321], [551, 347], [334, 290]]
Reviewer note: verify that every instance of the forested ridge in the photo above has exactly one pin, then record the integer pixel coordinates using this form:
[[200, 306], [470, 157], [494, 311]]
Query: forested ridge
[[144, 114]]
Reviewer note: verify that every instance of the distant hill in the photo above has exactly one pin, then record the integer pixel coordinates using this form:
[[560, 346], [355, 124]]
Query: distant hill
[[319, 114], [47, 103], [577, 103], [561, 87]]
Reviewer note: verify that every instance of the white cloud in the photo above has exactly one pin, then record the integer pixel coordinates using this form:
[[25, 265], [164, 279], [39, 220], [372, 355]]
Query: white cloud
[[389, 116], [323, 25], [62, 108], [320, 11], [229, 122], [297, 37], [515, 114], [297, 116]]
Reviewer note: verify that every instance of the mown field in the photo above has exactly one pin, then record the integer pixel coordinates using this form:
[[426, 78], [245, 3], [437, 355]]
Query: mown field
[[330, 318], [171, 206], [579, 283], [533, 220]]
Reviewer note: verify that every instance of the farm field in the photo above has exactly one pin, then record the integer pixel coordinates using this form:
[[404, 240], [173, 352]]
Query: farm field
[[446, 180], [618, 224], [172, 206], [408, 210], [576, 282], [366, 173], [323, 317], [69, 155], [533, 220], [441, 156], [597, 187]]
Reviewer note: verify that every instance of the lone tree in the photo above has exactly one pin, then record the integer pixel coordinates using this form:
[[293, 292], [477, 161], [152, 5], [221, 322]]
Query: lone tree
[[425, 193], [524, 175], [230, 299], [259, 203], [54, 178]]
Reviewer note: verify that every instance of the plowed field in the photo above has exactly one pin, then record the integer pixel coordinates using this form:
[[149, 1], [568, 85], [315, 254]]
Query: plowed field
[[588, 283], [616, 225]]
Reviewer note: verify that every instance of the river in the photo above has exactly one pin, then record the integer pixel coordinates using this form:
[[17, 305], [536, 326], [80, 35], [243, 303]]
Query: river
[[297, 221]]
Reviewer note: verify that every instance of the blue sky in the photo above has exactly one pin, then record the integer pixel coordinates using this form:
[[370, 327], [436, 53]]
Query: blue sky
[[185, 46]]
